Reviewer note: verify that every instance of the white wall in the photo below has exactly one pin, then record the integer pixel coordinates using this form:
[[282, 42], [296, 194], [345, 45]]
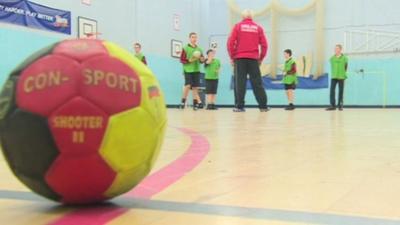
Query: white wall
[[154, 23], [297, 33]]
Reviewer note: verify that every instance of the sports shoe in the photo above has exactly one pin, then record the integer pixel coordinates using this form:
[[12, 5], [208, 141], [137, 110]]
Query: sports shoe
[[290, 107], [239, 110], [264, 109], [332, 108]]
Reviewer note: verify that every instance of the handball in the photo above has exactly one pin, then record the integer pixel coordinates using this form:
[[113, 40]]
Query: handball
[[81, 121], [196, 54]]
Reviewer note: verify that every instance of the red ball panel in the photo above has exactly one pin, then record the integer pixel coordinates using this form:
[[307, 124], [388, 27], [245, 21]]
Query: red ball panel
[[80, 180], [110, 84], [47, 83], [80, 49], [78, 127]]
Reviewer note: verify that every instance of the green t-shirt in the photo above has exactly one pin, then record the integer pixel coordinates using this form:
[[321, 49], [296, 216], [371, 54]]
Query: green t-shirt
[[139, 56], [191, 67], [290, 76], [339, 67], [212, 69]]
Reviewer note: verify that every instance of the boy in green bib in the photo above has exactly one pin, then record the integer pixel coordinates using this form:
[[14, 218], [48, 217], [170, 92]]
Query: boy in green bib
[[191, 59], [339, 64], [289, 78], [138, 53], [212, 67]]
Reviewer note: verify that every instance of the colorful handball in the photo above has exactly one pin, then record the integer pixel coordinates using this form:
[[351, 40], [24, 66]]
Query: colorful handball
[[81, 121]]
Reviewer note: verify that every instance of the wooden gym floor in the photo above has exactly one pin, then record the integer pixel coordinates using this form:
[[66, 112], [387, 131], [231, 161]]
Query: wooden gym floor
[[303, 167]]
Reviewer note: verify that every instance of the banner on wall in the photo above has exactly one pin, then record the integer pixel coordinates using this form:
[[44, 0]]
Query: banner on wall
[[30, 14], [311, 82]]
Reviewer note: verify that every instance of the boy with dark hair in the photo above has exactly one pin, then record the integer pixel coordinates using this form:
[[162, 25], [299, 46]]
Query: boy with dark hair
[[289, 78], [212, 68], [339, 64], [138, 53], [191, 59]]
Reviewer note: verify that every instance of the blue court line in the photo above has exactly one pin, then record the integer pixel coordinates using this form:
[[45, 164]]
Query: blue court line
[[221, 210]]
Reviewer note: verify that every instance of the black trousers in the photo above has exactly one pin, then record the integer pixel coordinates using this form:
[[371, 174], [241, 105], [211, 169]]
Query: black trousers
[[244, 67], [334, 83]]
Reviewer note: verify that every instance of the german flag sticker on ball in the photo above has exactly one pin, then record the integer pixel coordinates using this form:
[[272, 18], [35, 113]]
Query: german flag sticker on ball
[[81, 121]]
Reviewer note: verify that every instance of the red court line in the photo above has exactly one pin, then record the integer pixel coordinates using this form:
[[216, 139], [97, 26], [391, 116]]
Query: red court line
[[170, 174], [150, 186]]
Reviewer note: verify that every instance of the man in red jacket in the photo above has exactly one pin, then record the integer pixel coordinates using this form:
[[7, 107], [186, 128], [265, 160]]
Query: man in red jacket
[[244, 45]]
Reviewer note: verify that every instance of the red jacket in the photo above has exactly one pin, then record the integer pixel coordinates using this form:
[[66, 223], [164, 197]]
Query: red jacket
[[245, 41]]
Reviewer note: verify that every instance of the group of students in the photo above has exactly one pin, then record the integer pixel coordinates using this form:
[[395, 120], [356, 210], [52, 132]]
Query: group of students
[[192, 58], [339, 64], [247, 47]]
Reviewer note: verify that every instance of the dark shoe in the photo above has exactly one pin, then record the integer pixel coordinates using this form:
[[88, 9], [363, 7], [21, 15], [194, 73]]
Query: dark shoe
[[181, 106], [340, 108], [196, 107], [200, 106], [332, 108], [214, 107], [290, 107], [239, 110], [209, 107], [264, 109]]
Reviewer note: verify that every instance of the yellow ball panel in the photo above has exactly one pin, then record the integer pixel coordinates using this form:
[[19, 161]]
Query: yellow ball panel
[[126, 180], [125, 56], [133, 138], [152, 95], [152, 100], [130, 140]]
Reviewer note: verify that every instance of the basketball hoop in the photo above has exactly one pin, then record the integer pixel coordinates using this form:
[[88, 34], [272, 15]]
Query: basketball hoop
[[92, 35]]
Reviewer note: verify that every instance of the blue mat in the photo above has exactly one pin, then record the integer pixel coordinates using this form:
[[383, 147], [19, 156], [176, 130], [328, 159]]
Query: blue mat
[[304, 82]]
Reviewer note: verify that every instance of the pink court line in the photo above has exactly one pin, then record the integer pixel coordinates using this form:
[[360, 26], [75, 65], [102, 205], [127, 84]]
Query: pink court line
[[150, 186]]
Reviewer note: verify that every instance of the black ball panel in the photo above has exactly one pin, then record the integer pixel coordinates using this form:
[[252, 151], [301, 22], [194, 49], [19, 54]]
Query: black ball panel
[[30, 158], [7, 98]]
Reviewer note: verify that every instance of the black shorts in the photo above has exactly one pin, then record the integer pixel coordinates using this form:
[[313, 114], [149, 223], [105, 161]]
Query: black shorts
[[211, 87], [192, 79], [290, 86]]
